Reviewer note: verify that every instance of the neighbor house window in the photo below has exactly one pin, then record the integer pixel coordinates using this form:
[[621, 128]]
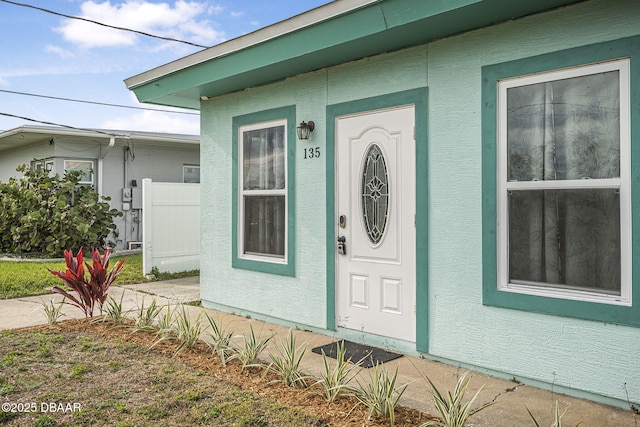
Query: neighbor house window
[[557, 183], [264, 146], [191, 174], [84, 166], [46, 165]]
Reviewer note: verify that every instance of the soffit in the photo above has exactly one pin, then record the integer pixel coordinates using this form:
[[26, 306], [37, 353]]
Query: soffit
[[27, 135]]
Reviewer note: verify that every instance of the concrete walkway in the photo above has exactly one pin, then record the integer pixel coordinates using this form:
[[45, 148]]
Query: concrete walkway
[[511, 398]]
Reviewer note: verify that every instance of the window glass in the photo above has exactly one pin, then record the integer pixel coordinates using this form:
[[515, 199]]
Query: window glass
[[191, 174], [85, 166], [263, 159], [263, 188], [565, 238], [561, 180], [264, 222], [565, 129]]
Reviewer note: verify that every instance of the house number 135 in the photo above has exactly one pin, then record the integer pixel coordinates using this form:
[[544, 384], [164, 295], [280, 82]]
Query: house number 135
[[312, 153]]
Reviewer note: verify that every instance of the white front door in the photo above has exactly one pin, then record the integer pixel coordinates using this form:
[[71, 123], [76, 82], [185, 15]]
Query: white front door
[[375, 223]]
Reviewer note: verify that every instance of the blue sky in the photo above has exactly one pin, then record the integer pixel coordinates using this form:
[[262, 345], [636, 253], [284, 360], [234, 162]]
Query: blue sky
[[46, 54]]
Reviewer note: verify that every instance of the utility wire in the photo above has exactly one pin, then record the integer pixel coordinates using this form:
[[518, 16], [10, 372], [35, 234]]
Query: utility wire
[[96, 103], [102, 24], [64, 126]]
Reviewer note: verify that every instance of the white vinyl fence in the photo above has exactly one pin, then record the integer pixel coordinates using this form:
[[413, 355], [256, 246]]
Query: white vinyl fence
[[170, 226]]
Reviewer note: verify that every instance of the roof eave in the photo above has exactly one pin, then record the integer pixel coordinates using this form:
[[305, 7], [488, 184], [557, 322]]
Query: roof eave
[[338, 32]]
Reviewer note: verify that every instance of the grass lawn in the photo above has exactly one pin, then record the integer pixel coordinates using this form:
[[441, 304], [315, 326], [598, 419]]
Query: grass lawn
[[76, 378], [27, 278], [96, 373]]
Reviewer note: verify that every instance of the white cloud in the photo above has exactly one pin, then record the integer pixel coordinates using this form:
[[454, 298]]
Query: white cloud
[[180, 21], [155, 121], [57, 50], [237, 14]]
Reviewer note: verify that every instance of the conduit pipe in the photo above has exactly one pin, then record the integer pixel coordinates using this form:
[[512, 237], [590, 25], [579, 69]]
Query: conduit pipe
[[112, 143]]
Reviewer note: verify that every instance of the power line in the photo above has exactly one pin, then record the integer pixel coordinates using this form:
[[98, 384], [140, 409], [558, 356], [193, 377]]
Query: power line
[[64, 126], [102, 24], [96, 102]]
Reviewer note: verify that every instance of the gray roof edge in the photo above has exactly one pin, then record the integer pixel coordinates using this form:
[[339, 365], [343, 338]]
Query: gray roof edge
[[101, 133]]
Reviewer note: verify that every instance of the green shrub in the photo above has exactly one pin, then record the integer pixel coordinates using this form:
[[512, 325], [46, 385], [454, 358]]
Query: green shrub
[[44, 214]]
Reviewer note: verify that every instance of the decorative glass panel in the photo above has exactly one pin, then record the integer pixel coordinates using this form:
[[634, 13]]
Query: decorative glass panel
[[375, 194]]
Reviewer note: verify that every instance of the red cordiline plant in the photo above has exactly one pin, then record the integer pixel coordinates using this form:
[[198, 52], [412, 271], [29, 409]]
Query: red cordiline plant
[[92, 291]]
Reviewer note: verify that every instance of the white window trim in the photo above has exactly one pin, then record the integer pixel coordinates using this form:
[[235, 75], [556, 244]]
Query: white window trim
[[93, 169], [278, 192], [622, 183], [184, 167]]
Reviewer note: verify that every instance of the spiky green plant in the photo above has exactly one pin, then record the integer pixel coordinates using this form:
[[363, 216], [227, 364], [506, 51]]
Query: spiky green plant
[[557, 422], [285, 363], [114, 311], [147, 316], [451, 407], [52, 310], [166, 321], [334, 381], [220, 340], [186, 331], [380, 394], [251, 349]]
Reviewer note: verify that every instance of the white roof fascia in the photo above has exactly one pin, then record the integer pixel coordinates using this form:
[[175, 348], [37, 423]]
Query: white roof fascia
[[102, 133], [306, 19]]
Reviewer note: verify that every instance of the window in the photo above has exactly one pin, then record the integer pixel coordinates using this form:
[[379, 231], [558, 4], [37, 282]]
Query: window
[[564, 183], [84, 166], [39, 164], [191, 174], [557, 188], [263, 223], [263, 189]]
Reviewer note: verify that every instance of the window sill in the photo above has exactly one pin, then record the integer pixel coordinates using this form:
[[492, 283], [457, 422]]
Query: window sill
[[567, 294]]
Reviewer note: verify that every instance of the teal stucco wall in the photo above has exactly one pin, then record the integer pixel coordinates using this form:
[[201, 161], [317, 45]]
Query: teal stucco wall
[[579, 356]]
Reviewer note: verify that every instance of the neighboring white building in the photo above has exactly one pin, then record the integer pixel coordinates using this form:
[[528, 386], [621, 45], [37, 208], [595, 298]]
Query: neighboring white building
[[118, 161]]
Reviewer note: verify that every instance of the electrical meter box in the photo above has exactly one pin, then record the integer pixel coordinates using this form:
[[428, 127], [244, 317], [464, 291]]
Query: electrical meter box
[[126, 194], [136, 198]]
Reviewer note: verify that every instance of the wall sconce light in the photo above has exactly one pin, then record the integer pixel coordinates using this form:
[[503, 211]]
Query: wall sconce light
[[305, 129]]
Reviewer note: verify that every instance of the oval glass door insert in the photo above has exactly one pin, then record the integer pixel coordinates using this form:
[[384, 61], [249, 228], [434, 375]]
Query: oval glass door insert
[[375, 193]]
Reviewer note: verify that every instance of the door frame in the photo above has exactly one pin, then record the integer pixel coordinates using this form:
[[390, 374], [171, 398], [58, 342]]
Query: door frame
[[418, 98]]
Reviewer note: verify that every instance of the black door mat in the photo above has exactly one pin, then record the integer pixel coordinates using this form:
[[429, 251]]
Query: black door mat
[[355, 352]]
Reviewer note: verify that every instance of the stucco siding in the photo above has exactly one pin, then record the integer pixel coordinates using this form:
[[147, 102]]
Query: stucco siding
[[586, 355], [9, 160], [299, 299]]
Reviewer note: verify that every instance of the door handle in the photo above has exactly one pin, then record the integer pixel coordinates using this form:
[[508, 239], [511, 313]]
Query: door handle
[[342, 246]]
